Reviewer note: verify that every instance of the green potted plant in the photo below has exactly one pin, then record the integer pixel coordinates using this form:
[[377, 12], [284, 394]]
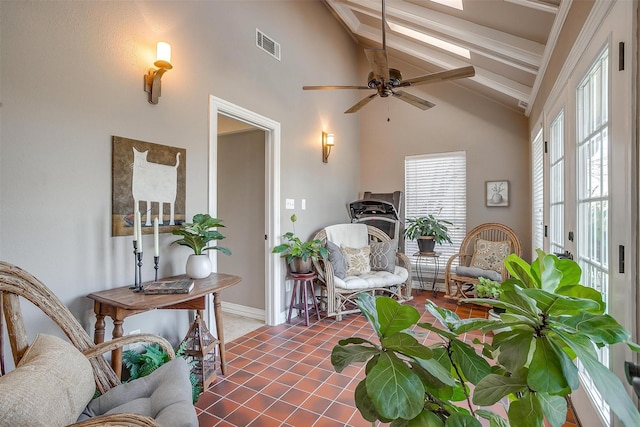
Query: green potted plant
[[299, 254], [551, 322], [197, 235], [142, 364], [427, 231], [490, 289]]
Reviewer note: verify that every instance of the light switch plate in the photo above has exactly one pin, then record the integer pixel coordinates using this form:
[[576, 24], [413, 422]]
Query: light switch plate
[[290, 204], [303, 204]]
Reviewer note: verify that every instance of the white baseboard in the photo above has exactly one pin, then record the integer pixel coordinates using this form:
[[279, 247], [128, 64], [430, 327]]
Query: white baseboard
[[243, 310]]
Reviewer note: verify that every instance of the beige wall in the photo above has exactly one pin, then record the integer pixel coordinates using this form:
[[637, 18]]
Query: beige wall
[[493, 137], [71, 77], [241, 202], [576, 18]]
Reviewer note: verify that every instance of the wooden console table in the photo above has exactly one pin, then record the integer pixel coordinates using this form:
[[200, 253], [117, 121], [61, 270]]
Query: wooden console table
[[120, 303]]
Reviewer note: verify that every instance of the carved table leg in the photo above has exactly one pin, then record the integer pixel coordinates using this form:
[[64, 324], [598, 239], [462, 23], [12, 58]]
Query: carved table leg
[[217, 312], [98, 334], [116, 355]]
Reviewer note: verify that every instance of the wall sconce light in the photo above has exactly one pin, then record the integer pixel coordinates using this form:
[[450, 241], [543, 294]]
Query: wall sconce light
[[152, 78], [327, 143]]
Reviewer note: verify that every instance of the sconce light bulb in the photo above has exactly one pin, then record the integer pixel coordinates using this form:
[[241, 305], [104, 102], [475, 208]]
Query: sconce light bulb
[[163, 56]]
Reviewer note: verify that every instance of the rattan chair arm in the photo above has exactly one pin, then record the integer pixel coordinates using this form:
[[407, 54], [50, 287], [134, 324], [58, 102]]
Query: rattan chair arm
[[118, 420], [100, 349], [450, 261], [323, 269], [403, 261]]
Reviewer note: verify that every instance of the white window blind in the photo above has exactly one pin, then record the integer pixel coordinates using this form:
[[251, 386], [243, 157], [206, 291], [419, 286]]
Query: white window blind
[[437, 184], [537, 191]]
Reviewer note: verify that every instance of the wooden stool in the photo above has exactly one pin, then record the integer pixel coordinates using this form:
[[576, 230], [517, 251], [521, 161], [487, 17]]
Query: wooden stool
[[300, 282]]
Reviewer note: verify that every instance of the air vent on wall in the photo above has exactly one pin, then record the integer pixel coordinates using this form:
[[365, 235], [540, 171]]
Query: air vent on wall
[[267, 44], [523, 104]]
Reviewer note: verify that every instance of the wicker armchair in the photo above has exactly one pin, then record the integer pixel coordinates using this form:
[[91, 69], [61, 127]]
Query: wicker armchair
[[16, 283], [339, 300], [455, 282]]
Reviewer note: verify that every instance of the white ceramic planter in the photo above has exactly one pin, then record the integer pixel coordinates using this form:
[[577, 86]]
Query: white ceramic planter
[[198, 266]]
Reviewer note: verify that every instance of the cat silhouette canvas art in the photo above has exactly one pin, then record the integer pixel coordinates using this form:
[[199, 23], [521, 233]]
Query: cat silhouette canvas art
[[149, 178], [154, 182]]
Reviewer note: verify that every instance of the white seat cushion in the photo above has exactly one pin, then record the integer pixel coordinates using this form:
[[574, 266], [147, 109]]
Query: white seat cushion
[[373, 279], [461, 270], [164, 395]]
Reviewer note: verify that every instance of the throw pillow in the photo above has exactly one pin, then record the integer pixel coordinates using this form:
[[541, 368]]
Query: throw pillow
[[50, 386], [357, 260], [490, 255], [336, 258], [383, 255]]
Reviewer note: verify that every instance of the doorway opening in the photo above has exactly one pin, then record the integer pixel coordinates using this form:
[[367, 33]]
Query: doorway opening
[[274, 305]]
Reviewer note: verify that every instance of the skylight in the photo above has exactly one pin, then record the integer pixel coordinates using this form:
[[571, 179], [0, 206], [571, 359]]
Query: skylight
[[450, 47], [457, 4]]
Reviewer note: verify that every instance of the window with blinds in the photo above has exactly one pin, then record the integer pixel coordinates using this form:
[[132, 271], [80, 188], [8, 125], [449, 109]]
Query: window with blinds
[[537, 191], [437, 184]]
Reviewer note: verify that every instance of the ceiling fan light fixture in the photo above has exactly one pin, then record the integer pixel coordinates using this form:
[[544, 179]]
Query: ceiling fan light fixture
[[385, 80]]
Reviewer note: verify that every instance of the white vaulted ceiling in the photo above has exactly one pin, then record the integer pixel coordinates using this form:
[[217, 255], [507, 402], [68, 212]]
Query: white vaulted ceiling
[[509, 42]]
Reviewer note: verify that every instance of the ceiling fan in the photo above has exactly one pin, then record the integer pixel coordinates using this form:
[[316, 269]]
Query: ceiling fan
[[385, 81]]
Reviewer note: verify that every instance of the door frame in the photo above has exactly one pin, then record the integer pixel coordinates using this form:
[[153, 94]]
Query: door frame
[[273, 268]]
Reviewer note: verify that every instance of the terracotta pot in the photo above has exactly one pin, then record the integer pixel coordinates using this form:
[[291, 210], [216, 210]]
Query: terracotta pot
[[298, 265], [198, 266]]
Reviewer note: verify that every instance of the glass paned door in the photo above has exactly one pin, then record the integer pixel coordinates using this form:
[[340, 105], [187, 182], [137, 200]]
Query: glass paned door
[[592, 198], [556, 184], [591, 180], [537, 192]]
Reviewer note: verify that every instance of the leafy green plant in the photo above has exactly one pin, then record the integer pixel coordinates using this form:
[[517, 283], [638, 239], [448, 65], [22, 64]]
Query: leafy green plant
[[199, 233], [487, 288], [551, 321], [142, 364], [296, 248], [428, 225]]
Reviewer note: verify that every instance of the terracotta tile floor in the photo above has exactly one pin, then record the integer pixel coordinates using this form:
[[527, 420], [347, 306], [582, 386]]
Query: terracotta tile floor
[[282, 375]]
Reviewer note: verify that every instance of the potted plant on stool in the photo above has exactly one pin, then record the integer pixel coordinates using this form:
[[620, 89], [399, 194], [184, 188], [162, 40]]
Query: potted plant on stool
[[427, 231], [197, 235], [490, 289], [299, 254]]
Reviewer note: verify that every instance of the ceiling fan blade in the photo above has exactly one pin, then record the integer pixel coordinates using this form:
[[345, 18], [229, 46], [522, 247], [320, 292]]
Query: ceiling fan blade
[[456, 73], [379, 64], [362, 103], [333, 87], [423, 104]]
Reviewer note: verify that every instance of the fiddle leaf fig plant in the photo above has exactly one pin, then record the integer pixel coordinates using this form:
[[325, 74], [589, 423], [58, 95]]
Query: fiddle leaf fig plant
[[529, 364]]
